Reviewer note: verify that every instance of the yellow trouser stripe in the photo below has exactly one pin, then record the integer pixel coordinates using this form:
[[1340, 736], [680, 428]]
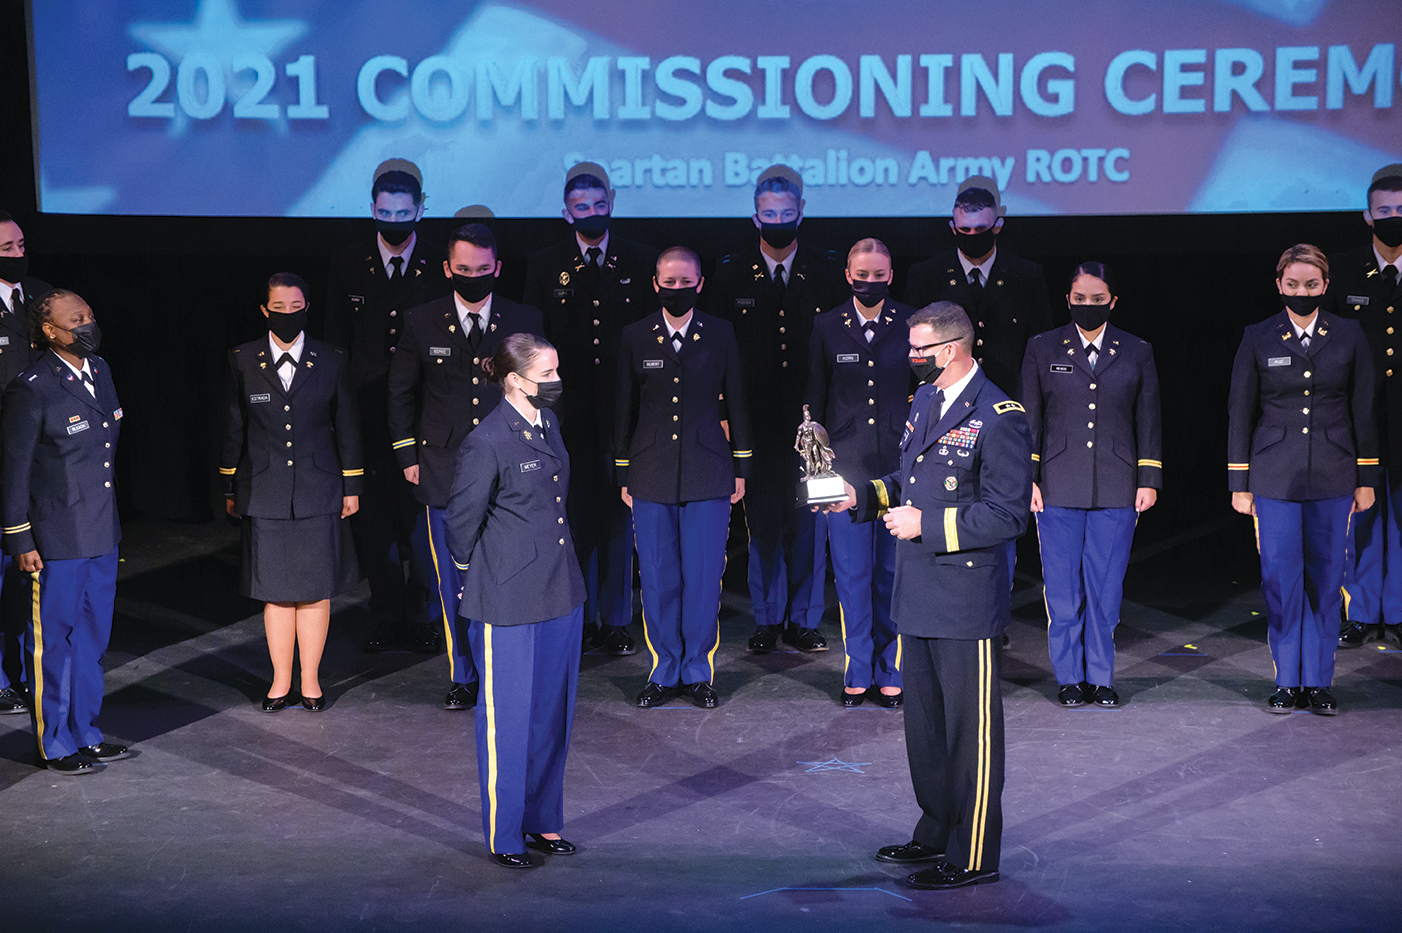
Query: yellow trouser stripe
[[647, 639], [489, 692], [38, 672], [438, 575], [711, 657], [951, 528], [900, 647], [846, 655], [985, 753]]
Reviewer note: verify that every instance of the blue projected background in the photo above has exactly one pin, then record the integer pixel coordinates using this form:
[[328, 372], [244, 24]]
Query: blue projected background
[[284, 107]]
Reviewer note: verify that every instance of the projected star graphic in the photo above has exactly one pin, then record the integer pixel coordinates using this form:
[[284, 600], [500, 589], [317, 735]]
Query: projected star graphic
[[835, 764]]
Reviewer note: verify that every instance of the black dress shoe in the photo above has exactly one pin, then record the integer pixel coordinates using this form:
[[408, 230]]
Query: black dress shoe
[[425, 639], [909, 854], [851, 700], [549, 846], [763, 640], [12, 702], [461, 696], [887, 701], [942, 876], [72, 764], [1283, 700], [805, 639], [1321, 701], [513, 860], [1351, 635], [1071, 696], [384, 637], [702, 694], [614, 640], [655, 695], [273, 704], [1105, 697], [315, 704], [105, 751]]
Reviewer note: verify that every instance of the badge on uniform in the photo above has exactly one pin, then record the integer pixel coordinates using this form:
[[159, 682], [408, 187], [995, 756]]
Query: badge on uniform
[[564, 278], [652, 364], [264, 397], [744, 302], [951, 483], [1062, 368], [4, 341], [563, 293], [528, 467], [849, 357], [117, 414], [1278, 361], [962, 436], [440, 351], [1358, 299], [908, 429], [75, 428], [356, 299], [75, 418]]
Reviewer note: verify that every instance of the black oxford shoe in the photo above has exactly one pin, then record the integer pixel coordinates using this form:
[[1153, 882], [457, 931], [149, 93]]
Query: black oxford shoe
[[425, 639], [702, 694], [549, 846], [909, 854], [461, 696], [614, 640], [1105, 697], [805, 639], [72, 765], [12, 702], [1321, 701], [105, 751], [513, 860], [655, 695], [763, 640], [1071, 696], [942, 876], [1351, 635], [1283, 700]]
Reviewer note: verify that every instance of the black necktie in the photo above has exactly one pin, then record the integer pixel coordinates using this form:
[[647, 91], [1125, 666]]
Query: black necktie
[[17, 299], [779, 275], [589, 278], [1389, 276], [87, 381], [474, 334], [939, 406], [396, 271], [286, 358], [594, 253], [976, 284], [869, 328]]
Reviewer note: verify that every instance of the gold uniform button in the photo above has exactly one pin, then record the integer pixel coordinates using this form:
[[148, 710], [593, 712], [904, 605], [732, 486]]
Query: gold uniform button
[[784, 365], [781, 330], [392, 349], [1092, 385], [108, 485], [969, 564], [562, 540], [394, 314], [871, 401], [674, 400], [475, 420], [289, 463], [1389, 351], [1090, 443], [676, 379], [1090, 424], [674, 437], [871, 362], [1304, 411], [474, 378], [920, 459], [440, 363], [476, 361], [912, 479], [596, 322], [674, 417], [476, 401], [108, 465], [1307, 374], [289, 443], [980, 323], [783, 346], [559, 521], [870, 382], [1389, 330], [596, 361], [1389, 372], [556, 477], [1304, 430], [781, 314], [596, 302], [1307, 391], [287, 408], [1092, 406], [980, 343], [287, 427], [873, 420], [596, 341], [557, 498], [908, 502], [109, 443]]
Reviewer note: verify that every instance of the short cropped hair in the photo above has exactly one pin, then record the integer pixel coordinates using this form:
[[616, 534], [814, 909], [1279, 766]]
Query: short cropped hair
[[285, 280], [949, 322], [680, 252], [867, 245], [5, 217], [1386, 183], [479, 235], [397, 182], [584, 181], [1302, 252], [778, 184], [975, 199]]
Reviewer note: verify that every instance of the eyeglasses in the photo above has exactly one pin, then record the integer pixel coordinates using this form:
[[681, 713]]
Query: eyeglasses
[[925, 350]]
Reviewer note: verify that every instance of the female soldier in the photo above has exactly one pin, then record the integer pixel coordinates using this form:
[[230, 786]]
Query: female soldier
[[292, 459], [1302, 456], [523, 597], [1092, 399], [859, 386]]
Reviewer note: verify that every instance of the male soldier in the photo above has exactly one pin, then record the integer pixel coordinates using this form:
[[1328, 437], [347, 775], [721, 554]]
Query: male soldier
[[17, 290], [961, 493], [1363, 285], [370, 287], [770, 292], [588, 287]]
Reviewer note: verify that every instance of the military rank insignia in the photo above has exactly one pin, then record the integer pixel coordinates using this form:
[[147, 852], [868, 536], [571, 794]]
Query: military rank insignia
[[965, 435]]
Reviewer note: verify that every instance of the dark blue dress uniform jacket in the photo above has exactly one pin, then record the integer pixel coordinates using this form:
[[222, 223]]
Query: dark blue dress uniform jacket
[[1096, 435], [971, 477], [17, 353], [290, 454], [586, 327], [506, 524], [861, 392], [437, 392], [669, 446], [1358, 290], [1013, 309], [59, 497], [1300, 422]]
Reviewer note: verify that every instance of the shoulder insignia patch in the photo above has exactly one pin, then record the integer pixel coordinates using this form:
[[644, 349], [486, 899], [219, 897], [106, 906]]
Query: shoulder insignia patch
[[1003, 408]]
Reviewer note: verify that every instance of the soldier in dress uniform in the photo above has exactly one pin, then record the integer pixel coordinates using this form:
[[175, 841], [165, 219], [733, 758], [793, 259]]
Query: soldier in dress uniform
[[589, 287], [960, 494], [680, 474], [1364, 286], [371, 286], [859, 385], [18, 290], [437, 397], [770, 292], [58, 522], [1092, 398], [1302, 456]]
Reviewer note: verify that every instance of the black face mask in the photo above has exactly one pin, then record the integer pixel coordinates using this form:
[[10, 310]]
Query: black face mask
[[86, 339], [1089, 317], [926, 369], [286, 326], [395, 231], [975, 245], [593, 226], [1303, 305], [547, 394], [473, 288], [1387, 229], [14, 268], [779, 236], [870, 293], [677, 301]]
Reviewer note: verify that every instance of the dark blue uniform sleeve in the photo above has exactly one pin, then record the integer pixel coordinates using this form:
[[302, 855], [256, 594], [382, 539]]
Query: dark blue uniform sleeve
[[1243, 410], [474, 488], [625, 406], [235, 426], [741, 444], [1000, 513], [1362, 404], [346, 422], [1148, 441], [405, 373], [1032, 400], [20, 425]]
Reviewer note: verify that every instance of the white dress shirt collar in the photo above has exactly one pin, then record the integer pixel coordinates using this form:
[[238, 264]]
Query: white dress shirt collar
[[463, 312], [584, 247], [386, 254], [951, 394], [983, 269]]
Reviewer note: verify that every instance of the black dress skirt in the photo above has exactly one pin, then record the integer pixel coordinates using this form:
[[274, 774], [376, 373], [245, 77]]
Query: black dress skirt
[[297, 560]]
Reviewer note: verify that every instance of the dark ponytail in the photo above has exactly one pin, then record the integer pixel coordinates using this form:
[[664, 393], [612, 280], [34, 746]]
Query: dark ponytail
[[513, 355]]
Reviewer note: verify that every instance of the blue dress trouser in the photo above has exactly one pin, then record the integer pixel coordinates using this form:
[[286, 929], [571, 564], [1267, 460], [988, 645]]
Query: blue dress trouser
[[1373, 576], [606, 560], [530, 678], [68, 635], [1085, 553], [783, 586], [442, 581], [681, 559], [1302, 570], [864, 572]]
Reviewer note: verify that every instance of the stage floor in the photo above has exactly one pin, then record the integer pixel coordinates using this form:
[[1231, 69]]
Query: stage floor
[[1190, 808]]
